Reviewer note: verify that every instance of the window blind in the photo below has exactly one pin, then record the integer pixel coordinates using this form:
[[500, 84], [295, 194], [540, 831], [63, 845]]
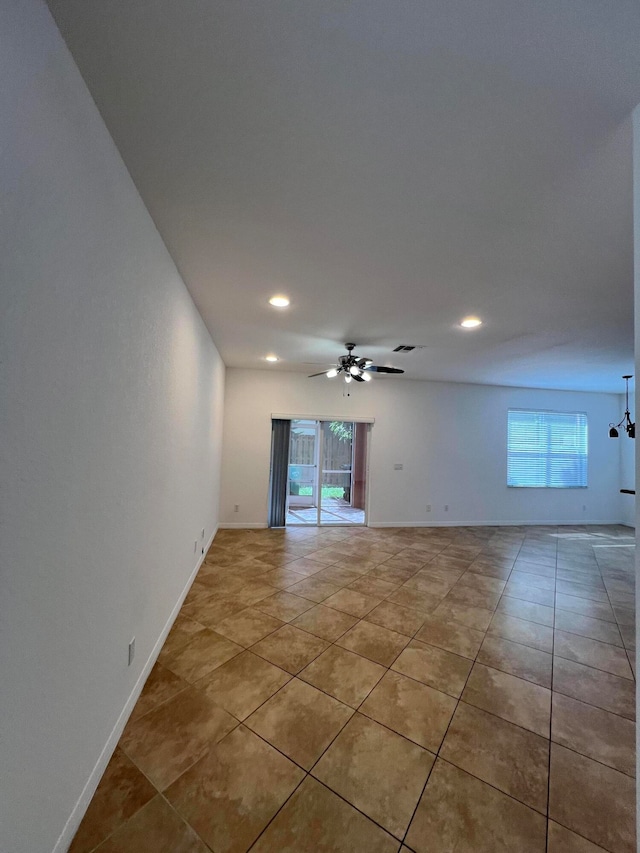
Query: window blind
[[547, 449]]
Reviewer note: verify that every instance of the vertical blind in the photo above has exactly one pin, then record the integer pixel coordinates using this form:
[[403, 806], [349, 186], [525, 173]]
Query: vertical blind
[[547, 449], [280, 435]]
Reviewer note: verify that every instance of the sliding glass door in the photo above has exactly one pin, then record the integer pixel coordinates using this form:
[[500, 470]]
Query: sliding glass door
[[327, 473]]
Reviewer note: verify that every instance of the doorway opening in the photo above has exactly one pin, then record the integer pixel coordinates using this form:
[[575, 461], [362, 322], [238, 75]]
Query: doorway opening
[[326, 482]]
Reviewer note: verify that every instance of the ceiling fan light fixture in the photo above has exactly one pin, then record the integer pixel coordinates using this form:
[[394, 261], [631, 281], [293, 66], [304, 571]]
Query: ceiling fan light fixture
[[366, 376], [354, 370], [348, 378], [332, 373]]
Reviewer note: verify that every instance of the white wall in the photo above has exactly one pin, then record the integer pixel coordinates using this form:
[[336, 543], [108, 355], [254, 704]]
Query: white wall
[[450, 438], [110, 425]]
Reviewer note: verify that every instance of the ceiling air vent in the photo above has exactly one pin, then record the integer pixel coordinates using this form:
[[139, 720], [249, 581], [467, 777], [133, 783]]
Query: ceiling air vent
[[404, 348]]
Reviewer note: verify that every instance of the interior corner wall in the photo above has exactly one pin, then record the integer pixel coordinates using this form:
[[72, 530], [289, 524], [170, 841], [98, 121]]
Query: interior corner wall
[[110, 437], [450, 439]]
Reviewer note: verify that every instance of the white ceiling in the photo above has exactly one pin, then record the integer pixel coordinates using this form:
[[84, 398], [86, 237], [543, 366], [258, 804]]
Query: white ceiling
[[390, 165]]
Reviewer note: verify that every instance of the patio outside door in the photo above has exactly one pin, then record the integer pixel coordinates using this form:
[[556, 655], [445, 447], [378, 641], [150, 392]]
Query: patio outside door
[[327, 469]]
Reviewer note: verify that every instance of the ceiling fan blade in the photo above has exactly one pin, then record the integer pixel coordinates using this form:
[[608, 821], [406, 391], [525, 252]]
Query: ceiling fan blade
[[375, 368], [358, 378], [322, 373]]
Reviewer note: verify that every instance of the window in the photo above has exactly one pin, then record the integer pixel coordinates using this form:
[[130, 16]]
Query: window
[[547, 449]]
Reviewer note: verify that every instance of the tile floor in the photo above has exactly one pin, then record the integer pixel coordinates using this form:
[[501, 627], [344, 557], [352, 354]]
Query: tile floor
[[427, 690]]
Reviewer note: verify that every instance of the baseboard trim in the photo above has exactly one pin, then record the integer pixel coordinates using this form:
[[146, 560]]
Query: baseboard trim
[[239, 525], [73, 821], [542, 523]]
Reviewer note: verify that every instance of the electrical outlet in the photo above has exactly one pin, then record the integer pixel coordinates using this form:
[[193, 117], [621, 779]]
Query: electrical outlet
[[236, 507], [132, 650], [397, 466], [428, 507], [446, 507]]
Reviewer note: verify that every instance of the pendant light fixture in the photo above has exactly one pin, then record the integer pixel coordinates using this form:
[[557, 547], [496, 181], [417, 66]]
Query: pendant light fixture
[[626, 423]]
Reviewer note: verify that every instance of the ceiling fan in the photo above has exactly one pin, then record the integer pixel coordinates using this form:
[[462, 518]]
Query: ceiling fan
[[356, 368]]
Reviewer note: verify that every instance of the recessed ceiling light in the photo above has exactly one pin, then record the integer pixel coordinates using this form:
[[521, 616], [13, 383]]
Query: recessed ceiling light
[[279, 301], [271, 358], [471, 322]]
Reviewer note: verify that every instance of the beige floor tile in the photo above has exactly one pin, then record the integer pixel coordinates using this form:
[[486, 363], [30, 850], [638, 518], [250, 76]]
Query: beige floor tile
[[473, 597], [157, 828], [181, 633], [505, 755], [306, 566], [527, 610], [391, 574], [395, 618], [530, 568], [460, 813], [201, 656], [514, 699], [169, 739], [592, 800], [594, 609], [374, 587], [242, 684], [450, 636], [161, 685], [482, 582], [423, 602], [562, 840], [412, 709], [214, 610], [594, 687], [594, 592], [284, 605], [253, 591], [282, 578], [585, 626], [521, 631], [424, 582], [231, 794], [530, 580], [340, 575], [473, 617], [315, 819], [516, 659], [325, 622], [290, 648], [248, 626], [598, 734], [379, 772], [374, 642], [199, 592], [437, 668], [533, 594], [122, 791], [300, 721], [592, 653], [491, 569], [344, 675], [351, 602], [313, 589]]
